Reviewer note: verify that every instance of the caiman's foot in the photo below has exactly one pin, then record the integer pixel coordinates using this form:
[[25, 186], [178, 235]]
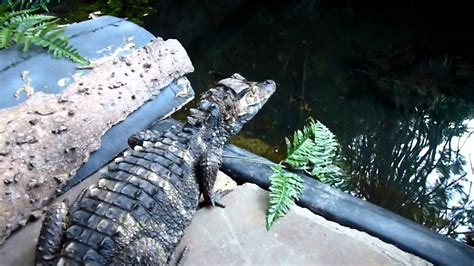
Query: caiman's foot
[[139, 137], [52, 234], [53, 230], [215, 198]]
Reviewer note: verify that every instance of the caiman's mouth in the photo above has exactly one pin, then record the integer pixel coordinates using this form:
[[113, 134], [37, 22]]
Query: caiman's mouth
[[265, 90]]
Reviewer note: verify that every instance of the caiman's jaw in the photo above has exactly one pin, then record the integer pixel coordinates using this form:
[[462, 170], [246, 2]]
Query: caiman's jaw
[[250, 97]]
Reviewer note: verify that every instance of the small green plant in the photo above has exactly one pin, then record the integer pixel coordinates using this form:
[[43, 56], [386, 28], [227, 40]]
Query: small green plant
[[284, 190], [312, 150], [28, 4], [20, 23]]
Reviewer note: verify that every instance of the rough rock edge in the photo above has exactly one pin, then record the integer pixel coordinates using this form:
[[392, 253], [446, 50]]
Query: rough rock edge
[[44, 140]]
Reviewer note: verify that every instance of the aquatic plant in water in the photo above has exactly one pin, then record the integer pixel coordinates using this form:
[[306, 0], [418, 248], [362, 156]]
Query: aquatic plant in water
[[415, 166], [21, 23], [313, 150]]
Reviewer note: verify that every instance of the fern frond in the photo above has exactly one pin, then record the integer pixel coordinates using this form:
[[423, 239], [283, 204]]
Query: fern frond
[[5, 37], [26, 21], [14, 13], [314, 148], [284, 190], [57, 45], [26, 24], [323, 159], [22, 26], [303, 146]]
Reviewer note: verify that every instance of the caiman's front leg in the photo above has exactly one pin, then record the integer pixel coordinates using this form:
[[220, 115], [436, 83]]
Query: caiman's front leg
[[52, 232], [145, 135], [209, 166]]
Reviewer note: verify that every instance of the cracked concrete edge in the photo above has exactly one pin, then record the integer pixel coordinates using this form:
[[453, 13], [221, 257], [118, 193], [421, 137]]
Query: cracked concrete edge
[[386, 249], [204, 236]]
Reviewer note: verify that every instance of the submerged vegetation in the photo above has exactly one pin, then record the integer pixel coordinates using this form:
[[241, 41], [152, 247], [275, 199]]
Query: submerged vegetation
[[22, 23], [415, 167]]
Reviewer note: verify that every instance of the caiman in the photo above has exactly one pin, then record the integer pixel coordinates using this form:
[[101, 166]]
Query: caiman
[[140, 208]]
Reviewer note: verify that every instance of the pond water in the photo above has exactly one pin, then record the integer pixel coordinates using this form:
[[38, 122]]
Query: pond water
[[394, 84]]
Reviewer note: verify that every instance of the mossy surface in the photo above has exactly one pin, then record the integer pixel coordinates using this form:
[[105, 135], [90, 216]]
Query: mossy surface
[[259, 147]]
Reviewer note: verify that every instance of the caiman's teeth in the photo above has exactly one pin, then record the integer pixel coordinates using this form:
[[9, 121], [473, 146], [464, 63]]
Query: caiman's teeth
[[118, 160], [138, 148], [127, 153], [147, 144]]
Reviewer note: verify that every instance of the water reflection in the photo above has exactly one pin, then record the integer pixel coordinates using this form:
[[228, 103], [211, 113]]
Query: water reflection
[[415, 166]]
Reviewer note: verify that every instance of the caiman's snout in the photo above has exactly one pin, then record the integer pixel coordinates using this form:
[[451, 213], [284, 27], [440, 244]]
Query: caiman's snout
[[251, 95], [266, 89], [248, 97]]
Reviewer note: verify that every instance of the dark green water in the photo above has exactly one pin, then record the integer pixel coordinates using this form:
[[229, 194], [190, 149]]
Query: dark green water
[[394, 84]]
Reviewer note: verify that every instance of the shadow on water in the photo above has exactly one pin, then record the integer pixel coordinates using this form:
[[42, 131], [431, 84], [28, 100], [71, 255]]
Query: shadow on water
[[392, 81]]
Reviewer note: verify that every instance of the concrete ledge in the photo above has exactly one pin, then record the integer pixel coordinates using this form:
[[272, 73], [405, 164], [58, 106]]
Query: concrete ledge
[[236, 235]]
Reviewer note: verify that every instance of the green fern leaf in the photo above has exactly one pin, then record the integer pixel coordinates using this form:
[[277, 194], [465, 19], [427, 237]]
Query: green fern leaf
[[313, 149], [303, 146], [26, 44], [59, 47], [24, 27], [284, 190], [5, 37], [27, 21]]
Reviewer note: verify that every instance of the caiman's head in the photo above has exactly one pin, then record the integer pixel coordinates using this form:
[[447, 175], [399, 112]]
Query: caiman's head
[[234, 102]]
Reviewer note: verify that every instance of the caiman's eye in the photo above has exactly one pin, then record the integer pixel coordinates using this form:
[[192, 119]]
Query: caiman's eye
[[253, 90]]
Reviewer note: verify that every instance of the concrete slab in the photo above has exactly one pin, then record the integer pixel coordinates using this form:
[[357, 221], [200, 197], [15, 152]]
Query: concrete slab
[[236, 235]]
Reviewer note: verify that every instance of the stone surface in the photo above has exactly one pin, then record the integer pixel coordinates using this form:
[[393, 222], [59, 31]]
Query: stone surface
[[51, 135], [236, 235], [19, 249]]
